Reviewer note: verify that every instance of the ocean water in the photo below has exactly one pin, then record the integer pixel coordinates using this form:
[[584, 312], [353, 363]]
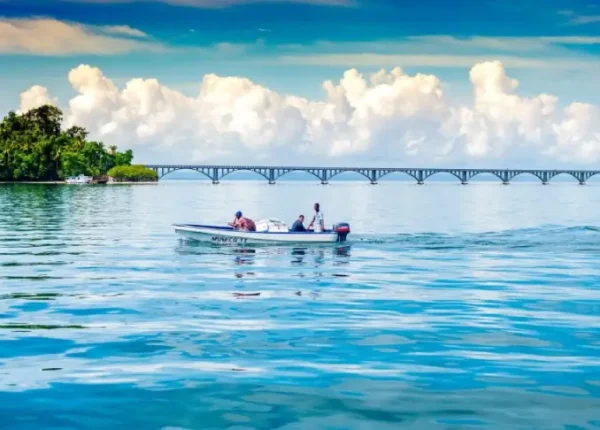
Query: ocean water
[[451, 307]]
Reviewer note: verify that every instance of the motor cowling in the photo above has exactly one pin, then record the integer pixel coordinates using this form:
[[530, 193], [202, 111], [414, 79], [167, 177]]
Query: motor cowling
[[342, 229]]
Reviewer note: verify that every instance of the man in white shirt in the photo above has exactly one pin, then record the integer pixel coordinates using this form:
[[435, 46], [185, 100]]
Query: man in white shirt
[[318, 222]]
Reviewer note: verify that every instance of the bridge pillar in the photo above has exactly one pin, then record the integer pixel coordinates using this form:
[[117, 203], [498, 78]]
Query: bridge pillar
[[463, 178], [373, 177], [420, 177], [215, 176], [582, 177], [544, 177], [324, 177], [271, 176]]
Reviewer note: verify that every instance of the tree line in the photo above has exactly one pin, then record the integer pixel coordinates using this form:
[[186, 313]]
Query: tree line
[[34, 147]]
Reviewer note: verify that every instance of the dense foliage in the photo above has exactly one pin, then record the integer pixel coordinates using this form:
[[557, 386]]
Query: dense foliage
[[34, 147], [134, 173]]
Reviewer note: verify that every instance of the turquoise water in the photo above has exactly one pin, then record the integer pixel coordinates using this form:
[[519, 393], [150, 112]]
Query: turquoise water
[[452, 307]]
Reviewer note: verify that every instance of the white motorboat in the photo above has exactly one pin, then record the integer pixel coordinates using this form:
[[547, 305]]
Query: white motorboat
[[81, 179], [267, 231]]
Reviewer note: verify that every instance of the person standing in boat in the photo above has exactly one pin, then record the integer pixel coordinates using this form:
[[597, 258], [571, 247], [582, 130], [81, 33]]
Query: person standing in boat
[[318, 222], [242, 223]]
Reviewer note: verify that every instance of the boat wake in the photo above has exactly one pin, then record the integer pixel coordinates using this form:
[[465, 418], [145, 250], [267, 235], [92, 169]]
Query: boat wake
[[578, 238]]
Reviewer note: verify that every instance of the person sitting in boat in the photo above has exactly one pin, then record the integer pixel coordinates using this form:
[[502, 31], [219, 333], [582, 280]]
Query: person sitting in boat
[[242, 223], [298, 224], [318, 222]]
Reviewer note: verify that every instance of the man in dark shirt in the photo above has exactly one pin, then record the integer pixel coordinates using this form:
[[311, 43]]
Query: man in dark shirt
[[298, 224]]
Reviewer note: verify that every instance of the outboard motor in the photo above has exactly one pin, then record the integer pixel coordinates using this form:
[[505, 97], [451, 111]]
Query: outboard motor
[[342, 229]]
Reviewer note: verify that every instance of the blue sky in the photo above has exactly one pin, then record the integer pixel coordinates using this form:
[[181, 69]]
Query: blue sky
[[292, 47], [267, 29], [305, 22]]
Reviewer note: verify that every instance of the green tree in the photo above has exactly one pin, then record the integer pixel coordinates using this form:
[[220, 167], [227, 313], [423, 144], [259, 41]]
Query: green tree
[[134, 173], [34, 147], [124, 158], [73, 164], [45, 119]]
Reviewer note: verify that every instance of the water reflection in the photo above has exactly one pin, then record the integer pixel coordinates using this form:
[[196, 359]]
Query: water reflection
[[244, 257], [246, 252], [310, 259], [341, 255], [27, 207]]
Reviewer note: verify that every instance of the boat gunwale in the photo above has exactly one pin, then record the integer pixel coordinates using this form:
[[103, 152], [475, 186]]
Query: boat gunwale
[[189, 227]]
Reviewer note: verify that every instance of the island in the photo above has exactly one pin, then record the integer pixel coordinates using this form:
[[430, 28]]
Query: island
[[35, 148]]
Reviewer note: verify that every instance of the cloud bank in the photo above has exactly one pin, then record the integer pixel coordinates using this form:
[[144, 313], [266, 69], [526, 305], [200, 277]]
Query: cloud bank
[[46, 36], [387, 118]]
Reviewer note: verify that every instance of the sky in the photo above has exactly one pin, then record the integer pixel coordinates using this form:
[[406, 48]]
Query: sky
[[475, 83]]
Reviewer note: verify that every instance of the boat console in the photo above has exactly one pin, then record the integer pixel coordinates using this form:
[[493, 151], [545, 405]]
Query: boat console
[[271, 225]]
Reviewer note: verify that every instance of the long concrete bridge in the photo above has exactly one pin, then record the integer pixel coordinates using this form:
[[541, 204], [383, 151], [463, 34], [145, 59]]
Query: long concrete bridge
[[372, 174]]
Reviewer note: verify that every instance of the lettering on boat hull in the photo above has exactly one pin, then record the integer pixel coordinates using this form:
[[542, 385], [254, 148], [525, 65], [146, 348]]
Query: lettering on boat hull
[[223, 239]]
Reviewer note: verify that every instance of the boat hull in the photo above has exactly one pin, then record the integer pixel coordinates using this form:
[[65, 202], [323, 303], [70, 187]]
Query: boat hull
[[227, 235], [78, 180]]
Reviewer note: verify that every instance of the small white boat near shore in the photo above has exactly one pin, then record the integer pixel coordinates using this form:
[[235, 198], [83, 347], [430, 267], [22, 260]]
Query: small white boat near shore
[[81, 179], [267, 231]]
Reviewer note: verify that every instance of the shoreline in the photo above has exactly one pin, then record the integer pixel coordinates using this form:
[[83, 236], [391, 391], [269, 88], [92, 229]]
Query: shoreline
[[32, 182], [64, 183], [130, 183]]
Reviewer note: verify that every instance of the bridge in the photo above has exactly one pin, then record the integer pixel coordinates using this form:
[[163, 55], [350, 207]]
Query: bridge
[[372, 174]]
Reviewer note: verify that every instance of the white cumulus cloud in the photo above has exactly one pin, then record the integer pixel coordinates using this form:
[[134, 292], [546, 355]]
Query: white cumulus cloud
[[385, 118], [35, 97]]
